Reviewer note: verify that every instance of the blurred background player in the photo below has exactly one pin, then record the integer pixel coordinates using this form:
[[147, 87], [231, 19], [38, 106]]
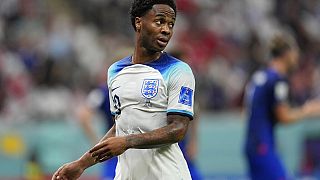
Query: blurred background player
[[98, 102], [267, 105]]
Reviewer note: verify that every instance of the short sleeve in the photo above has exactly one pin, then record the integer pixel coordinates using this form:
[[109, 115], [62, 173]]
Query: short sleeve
[[181, 89], [281, 92]]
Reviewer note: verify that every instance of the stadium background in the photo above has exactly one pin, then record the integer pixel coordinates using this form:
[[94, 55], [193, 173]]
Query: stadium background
[[53, 52]]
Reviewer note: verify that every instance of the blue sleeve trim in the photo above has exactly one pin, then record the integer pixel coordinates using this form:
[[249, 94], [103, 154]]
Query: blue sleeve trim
[[180, 112]]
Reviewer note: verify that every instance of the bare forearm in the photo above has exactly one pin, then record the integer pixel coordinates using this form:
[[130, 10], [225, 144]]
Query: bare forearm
[[288, 115], [87, 160], [169, 134], [285, 114], [294, 115]]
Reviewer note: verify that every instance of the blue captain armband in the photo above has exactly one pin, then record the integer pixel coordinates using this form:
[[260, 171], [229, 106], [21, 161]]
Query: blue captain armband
[[185, 96]]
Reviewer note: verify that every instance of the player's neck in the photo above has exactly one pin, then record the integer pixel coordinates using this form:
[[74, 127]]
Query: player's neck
[[142, 56]]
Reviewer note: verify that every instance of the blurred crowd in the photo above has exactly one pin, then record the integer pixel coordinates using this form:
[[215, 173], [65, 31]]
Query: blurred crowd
[[52, 53]]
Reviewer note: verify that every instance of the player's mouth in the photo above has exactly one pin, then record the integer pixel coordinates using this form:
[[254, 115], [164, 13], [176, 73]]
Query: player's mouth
[[162, 42]]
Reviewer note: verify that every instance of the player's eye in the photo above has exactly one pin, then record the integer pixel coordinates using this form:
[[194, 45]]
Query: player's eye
[[158, 22], [171, 25]]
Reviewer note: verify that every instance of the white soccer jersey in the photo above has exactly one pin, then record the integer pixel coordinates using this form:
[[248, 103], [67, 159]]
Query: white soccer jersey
[[141, 96]]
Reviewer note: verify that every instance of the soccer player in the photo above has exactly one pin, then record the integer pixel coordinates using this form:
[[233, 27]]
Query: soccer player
[[267, 105], [152, 104]]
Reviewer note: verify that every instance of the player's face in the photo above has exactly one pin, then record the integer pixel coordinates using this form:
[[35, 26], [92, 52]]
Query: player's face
[[157, 27]]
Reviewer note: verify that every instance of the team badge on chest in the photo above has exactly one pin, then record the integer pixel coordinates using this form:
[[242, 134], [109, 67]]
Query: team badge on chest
[[149, 90]]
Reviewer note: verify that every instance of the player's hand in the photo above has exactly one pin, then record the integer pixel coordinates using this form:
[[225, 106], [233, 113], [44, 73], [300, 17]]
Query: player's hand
[[69, 171], [109, 148], [312, 108]]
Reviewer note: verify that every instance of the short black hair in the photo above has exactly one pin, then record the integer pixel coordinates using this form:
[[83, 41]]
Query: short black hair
[[140, 7], [280, 44]]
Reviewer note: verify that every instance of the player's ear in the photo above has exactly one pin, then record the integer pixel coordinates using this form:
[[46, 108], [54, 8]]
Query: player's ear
[[138, 23]]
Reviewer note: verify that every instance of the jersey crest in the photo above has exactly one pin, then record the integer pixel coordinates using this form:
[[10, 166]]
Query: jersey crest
[[150, 88]]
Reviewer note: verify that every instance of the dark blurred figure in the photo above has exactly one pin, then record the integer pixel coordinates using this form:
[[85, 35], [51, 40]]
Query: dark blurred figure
[[267, 105]]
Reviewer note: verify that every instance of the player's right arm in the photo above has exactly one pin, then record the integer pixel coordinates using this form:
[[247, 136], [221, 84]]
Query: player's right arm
[[285, 113]]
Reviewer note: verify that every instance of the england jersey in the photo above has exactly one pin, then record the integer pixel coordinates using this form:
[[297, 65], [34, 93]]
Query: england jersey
[[142, 95]]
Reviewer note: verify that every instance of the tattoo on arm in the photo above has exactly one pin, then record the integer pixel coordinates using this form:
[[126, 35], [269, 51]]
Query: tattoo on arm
[[172, 133]]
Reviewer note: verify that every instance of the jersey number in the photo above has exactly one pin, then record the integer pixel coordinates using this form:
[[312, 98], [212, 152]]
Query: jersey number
[[117, 105]]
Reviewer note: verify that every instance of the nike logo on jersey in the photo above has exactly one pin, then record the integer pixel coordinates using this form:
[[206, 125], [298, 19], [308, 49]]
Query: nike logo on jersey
[[114, 88]]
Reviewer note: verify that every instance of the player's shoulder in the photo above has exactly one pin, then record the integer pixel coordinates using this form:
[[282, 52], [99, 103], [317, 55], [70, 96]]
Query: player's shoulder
[[126, 61], [177, 64], [117, 66], [168, 65], [274, 76], [260, 77], [267, 74]]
